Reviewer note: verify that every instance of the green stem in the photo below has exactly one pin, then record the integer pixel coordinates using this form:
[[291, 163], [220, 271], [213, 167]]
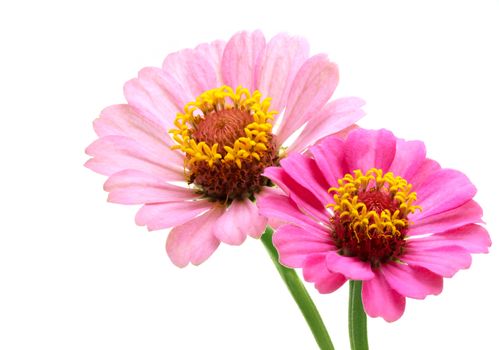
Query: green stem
[[300, 294], [357, 321]]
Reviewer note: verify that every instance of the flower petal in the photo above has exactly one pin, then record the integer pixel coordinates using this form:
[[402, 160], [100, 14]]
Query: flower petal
[[281, 207], [351, 267], [468, 213], [242, 60], [315, 271], [444, 261], [367, 149], [380, 299], [314, 84], [409, 157], [444, 190], [283, 57], [328, 155], [239, 220], [137, 187], [294, 244], [304, 199], [472, 238], [412, 281], [193, 241], [157, 95], [163, 215], [112, 154], [305, 172], [335, 116]]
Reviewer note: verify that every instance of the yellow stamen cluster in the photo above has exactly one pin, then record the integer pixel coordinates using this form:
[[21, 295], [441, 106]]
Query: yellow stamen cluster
[[252, 144], [364, 221]]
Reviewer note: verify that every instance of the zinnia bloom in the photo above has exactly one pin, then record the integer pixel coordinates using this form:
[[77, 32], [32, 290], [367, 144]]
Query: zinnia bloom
[[196, 135], [372, 207]]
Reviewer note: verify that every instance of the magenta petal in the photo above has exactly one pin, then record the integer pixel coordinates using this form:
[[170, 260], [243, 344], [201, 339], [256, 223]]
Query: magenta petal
[[281, 207], [241, 219], [412, 281], [137, 187], [409, 157], [283, 57], [303, 198], [446, 189], [380, 299], [351, 267], [328, 155], [112, 154], [334, 117], [314, 84], [294, 244], [467, 213], [306, 173], [315, 271], [164, 215], [444, 261], [367, 149], [242, 60], [472, 238], [193, 241]]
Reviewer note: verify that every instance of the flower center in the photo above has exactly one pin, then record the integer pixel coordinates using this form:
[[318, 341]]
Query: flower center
[[227, 139], [370, 215]]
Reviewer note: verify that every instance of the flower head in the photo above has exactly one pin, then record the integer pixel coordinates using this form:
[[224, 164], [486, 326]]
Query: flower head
[[194, 138], [373, 208]]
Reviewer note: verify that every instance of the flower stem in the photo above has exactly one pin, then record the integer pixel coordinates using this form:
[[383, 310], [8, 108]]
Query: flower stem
[[357, 322], [300, 294]]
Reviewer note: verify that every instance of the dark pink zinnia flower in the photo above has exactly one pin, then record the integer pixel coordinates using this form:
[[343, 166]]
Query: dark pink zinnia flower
[[195, 136], [372, 207]]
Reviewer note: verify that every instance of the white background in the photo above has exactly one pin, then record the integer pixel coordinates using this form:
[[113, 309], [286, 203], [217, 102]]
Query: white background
[[75, 271]]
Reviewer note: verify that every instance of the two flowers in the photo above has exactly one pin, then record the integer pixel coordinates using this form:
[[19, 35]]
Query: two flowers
[[200, 146]]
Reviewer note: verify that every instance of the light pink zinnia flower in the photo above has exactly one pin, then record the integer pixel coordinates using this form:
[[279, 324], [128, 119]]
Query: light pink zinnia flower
[[392, 218], [206, 118]]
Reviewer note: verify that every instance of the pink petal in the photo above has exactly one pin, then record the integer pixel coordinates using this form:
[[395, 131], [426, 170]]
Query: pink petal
[[157, 95], [409, 157], [314, 84], [473, 238], [242, 60], [124, 120], [328, 155], [468, 213], [196, 70], [367, 149], [239, 220], [315, 271], [116, 153], [164, 215], [445, 190], [444, 261], [137, 187], [425, 171], [351, 267], [294, 244], [213, 53], [281, 207], [412, 281], [335, 116], [305, 172], [283, 57], [193, 241], [380, 299], [304, 199]]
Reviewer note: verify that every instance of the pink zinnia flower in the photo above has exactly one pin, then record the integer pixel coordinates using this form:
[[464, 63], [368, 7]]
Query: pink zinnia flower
[[206, 119], [374, 208]]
